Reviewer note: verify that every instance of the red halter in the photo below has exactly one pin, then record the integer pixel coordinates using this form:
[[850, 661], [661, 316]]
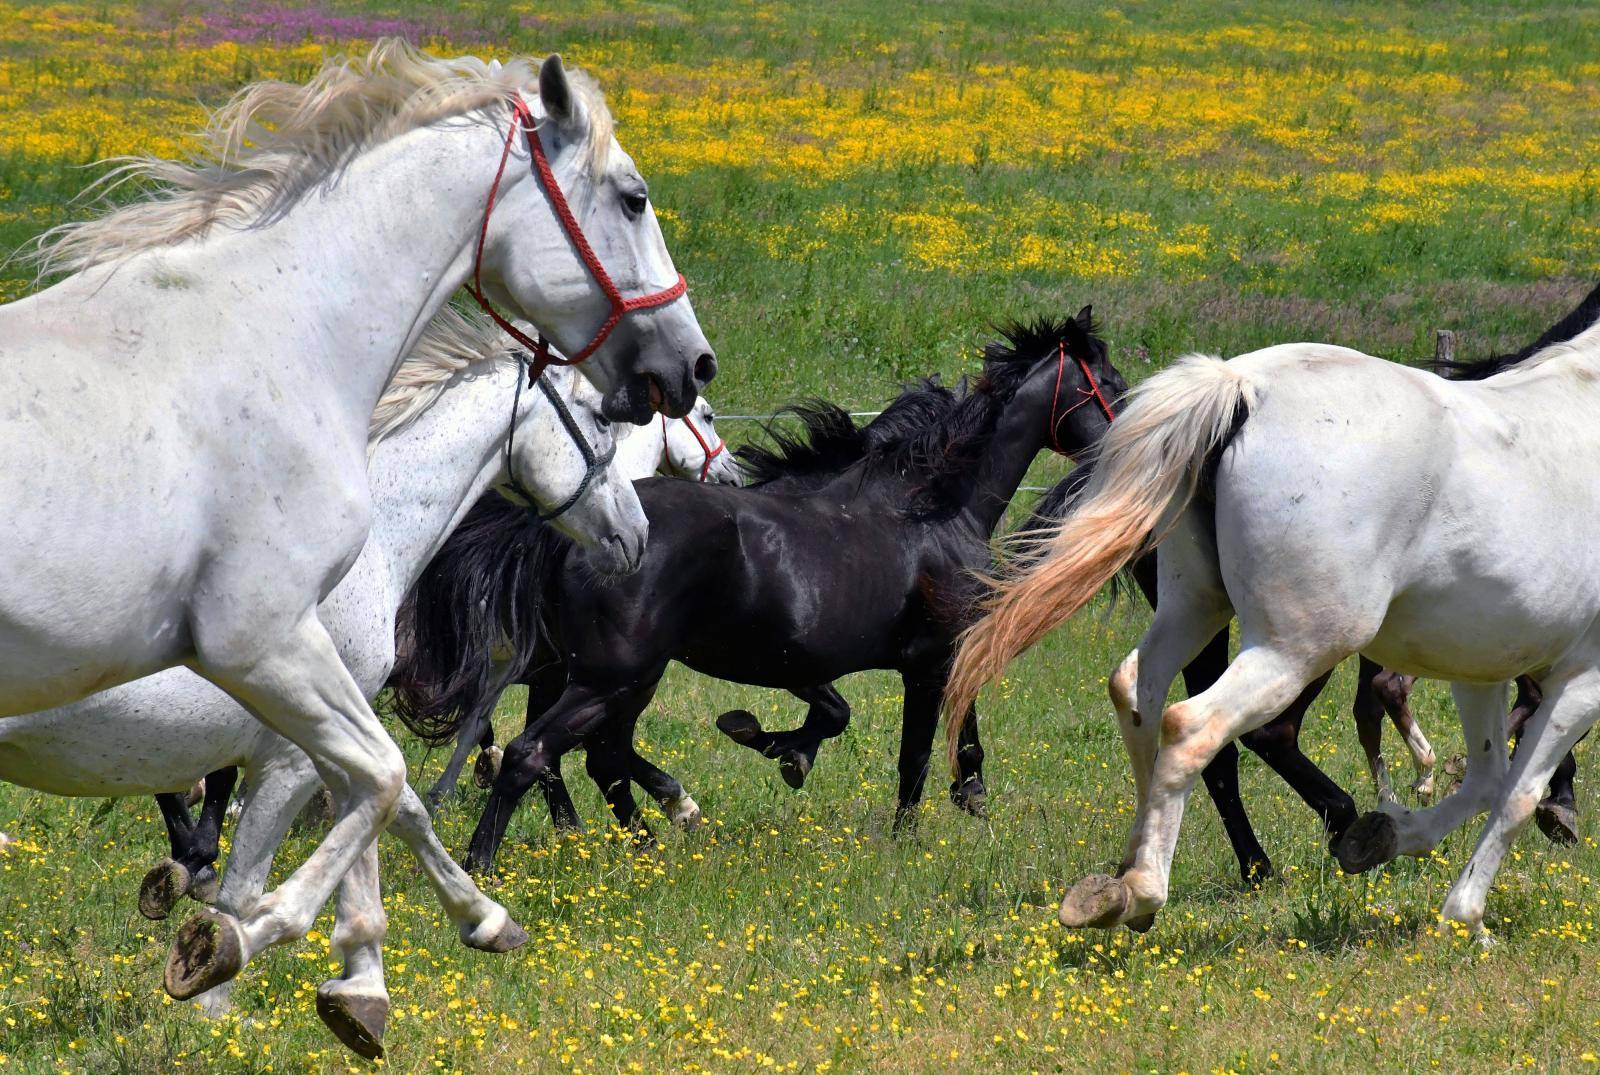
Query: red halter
[[522, 118], [711, 452], [1090, 394]]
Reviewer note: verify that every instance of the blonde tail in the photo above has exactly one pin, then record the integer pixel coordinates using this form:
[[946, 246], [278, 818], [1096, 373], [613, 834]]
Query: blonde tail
[[1146, 474]]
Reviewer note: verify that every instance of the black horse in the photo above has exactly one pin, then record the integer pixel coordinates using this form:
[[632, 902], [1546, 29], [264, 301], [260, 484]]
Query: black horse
[[1278, 742], [853, 549]]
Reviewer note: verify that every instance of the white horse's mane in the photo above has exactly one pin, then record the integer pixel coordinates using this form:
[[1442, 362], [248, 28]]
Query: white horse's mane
[[450, 343], [276, 140]]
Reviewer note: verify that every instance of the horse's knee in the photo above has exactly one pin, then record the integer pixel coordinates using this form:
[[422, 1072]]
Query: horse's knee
[[525, 762], [1184, 733]]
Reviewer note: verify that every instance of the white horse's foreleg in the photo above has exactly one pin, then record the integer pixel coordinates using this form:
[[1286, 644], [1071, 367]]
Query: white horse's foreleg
[[1569, 709], [482, 923], [301, 690], [1483, 724], [1256, 687]]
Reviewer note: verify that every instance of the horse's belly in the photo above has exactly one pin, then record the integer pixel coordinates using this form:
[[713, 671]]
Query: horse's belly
[[158, 734], [1482, 633]]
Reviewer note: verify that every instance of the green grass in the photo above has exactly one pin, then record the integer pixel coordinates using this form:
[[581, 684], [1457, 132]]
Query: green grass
[[796, 932]]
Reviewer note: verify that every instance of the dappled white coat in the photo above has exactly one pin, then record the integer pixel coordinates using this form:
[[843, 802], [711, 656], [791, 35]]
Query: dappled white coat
[[162, 732], [1445, 529]]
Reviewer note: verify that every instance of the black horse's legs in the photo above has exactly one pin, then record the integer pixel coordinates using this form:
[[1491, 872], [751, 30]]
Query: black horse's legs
[[191, 868], [1368, 713], [919, 719], [608, 756], [534, 757], [1278, 744], [967, 790], [663, 787], [795, 750]]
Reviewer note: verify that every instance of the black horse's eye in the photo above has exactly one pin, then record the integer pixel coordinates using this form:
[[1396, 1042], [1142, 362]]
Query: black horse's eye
[[635, 202]]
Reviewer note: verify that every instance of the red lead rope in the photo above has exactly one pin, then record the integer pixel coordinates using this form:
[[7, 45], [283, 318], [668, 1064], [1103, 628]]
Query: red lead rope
[[522, 118], [1092, 393], [711, 452]]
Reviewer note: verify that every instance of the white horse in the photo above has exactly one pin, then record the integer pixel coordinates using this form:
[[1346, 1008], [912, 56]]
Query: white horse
[[687, 447], [199, 388], [1336, 503], [440, 441]]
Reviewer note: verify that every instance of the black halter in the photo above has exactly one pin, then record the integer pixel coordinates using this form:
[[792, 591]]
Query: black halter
[[594, 463]]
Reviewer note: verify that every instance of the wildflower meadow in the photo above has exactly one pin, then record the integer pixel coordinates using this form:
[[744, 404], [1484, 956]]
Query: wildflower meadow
[[858, 193]]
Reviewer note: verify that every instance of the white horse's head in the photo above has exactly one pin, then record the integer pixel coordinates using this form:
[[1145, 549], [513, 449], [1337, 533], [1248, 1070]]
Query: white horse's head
[[694, 450], [571, 472], [650, 359]]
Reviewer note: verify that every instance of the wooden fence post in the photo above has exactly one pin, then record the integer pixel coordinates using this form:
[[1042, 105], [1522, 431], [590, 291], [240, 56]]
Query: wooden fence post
[[1444, 346]]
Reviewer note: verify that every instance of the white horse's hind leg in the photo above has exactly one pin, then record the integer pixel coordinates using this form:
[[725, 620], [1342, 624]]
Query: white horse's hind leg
[[1255, 688], [1569, 709], [1394, 830], [302, 691], [355, 1005], [482, 923]]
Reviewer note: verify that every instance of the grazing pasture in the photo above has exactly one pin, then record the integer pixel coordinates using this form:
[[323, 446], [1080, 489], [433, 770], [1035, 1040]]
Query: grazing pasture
[[856, 192]]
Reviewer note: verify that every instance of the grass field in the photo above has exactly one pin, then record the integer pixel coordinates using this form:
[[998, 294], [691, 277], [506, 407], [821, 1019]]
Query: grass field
[[857, 192]]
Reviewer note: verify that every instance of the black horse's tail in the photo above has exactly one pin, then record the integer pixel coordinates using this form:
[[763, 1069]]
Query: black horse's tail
[[479, 600]]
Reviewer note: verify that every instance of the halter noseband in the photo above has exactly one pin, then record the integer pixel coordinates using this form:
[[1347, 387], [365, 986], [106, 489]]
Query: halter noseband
[[522, 118], [594, 463], [1090, 394], [710, 451]]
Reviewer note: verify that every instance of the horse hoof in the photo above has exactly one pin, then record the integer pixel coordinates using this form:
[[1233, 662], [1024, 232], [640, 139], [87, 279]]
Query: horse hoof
[[1256, 873], [205, 886], [1141, 923], [741, 726], [487, 767], [208, 950], [1372, 841], [1096, 902], [356, 1020], [508, 938], [685, 813], [1558, 822], [196, 794], [972, 797], [162, 888], [794, 766]]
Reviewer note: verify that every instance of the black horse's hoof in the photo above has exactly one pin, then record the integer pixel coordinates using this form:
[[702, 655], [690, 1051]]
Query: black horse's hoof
[[208, 951], [162, 888], [1558, 822], [972, 797], [1256, 872], [487, 767], [356, 1020], [741, 726], [205, 886], [794, 766], [1372, 841]]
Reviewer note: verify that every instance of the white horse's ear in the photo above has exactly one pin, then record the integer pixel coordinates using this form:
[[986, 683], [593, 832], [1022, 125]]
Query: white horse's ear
[[494, 67], [555, 91]]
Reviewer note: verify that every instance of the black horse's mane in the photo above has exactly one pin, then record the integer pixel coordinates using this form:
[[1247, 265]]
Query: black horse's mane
[[1586, 314], [930, 435]]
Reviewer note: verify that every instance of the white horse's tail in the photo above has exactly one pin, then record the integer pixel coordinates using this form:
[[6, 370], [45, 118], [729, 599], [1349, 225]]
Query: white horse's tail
[[1145, 475]]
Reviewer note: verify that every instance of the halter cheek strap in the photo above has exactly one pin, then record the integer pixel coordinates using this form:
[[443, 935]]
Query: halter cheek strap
[[594, 463], [711, 452], [522, 119], [1092, 394]]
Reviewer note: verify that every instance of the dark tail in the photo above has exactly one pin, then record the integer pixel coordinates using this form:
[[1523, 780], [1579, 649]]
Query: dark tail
[[478, 600], [1584, 315]]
